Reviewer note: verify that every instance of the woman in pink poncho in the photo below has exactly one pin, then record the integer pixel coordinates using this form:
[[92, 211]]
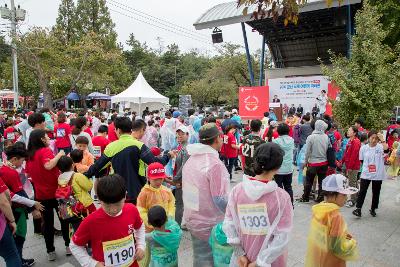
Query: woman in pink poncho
[[259, 214]]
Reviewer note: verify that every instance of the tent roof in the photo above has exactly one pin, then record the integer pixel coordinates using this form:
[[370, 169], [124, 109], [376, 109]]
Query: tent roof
[[140, 91], [228, 13]]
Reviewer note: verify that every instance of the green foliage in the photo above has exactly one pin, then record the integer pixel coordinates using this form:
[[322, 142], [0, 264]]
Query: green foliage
[[93, 16], [369, 80], [65, 28], [390, 10]]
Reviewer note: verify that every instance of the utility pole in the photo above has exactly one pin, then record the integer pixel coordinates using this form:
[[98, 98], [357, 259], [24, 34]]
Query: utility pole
[[14, 15]]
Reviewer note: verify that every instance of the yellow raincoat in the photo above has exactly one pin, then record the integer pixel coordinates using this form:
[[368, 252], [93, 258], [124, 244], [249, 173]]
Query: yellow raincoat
[[149, 197], [328, 244]]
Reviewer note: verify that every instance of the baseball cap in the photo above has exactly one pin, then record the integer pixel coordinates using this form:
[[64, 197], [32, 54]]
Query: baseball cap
[[234, 111], [176, 114], [338, 183], [155, 151], [156, 171], [208, 131], [183, 128]]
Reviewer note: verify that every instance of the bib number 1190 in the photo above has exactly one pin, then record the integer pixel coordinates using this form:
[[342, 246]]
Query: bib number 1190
[[119, 252], [120, 256]]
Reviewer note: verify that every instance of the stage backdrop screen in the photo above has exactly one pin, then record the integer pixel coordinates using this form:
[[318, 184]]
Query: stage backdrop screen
[[298, 90]]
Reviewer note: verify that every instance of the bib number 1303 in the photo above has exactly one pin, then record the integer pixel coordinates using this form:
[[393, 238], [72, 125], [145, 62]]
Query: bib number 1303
[[253, 219], [119, 252]]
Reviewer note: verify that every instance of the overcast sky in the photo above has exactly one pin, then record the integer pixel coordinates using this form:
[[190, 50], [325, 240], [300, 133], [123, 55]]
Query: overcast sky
[[180, 12]]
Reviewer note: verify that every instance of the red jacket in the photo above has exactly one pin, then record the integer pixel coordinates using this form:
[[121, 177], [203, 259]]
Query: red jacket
[[351, 155]]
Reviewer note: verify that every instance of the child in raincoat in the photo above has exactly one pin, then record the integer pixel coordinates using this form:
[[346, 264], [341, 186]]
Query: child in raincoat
[[152, 194], [164, 240], [221, 250], [329, 242], [259, 214], [394, 167], [81, 187]]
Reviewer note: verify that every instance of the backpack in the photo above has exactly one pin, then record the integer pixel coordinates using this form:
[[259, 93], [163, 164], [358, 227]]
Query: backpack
[[296, 134], [68, 206]]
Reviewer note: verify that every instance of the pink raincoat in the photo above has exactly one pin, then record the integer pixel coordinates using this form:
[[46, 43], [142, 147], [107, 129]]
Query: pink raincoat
[[258, 221], [205, 184]]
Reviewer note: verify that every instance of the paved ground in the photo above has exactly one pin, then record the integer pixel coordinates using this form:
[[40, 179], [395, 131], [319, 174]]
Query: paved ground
[[378, 238]]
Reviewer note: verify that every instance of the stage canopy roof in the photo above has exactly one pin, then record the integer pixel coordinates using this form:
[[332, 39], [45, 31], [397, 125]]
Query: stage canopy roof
[[319, 29]]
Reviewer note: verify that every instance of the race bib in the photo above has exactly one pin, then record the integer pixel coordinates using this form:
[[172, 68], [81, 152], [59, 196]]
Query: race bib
[[253, 219], [372, 168], [97, 151], [61, 132], [191, 197], [319, 235], [120, 252], [11, 136]]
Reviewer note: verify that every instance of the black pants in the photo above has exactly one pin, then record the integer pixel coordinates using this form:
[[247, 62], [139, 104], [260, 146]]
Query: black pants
[[310, 175], [376, 191], [285, 181], [48, 224], [229, 163]]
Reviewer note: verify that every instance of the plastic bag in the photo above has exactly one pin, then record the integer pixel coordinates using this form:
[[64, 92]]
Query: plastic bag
[[300, 164], [222, 251]]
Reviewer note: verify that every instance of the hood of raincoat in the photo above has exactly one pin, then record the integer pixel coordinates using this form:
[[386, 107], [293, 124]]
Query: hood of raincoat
[[169, 240], [199, 149], [64, 178], [197, 124], [320, 127], [255, 189], [322, 209]]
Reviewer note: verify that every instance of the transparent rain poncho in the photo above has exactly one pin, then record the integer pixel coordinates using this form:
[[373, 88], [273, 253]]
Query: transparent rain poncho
[[329, 244], [205, 185], [222, 251], [258, 222]]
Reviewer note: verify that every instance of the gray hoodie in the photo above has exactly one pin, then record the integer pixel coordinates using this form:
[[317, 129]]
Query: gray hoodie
[[317, 144]]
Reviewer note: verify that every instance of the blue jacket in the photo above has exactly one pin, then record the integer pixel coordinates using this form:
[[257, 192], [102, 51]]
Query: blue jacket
[[287, 144]]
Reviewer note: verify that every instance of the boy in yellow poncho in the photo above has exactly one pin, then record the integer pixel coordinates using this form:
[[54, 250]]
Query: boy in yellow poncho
[[329, 243], [152, 194]]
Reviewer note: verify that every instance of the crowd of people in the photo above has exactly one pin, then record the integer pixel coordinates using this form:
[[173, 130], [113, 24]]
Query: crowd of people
[[124, 186]]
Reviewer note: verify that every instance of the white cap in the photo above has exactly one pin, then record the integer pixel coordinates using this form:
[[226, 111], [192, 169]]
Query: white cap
[[183, 128], [338, 183], [234, 111]]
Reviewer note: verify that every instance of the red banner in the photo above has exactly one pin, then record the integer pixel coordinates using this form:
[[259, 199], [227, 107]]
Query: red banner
[[253, 102]]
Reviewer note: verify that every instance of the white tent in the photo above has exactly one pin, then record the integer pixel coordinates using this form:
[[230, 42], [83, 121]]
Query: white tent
[[140, 94]]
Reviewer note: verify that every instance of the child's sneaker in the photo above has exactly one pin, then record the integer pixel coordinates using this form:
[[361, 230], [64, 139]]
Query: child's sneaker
[[51, 256], [68, 251]]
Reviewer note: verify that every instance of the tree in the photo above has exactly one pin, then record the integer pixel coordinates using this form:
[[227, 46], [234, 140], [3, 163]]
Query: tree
[[289, 9], [65, 27], [5, 56], [84, 67], [390, 10], [93, 16], [369, 80]]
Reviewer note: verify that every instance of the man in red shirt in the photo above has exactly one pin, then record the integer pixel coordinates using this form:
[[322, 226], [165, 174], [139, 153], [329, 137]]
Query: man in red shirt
[[10, 133], [352, 161], [230, 148], [100, 141], [62, 133], [115, 231], [389, 136], [112, 134]]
